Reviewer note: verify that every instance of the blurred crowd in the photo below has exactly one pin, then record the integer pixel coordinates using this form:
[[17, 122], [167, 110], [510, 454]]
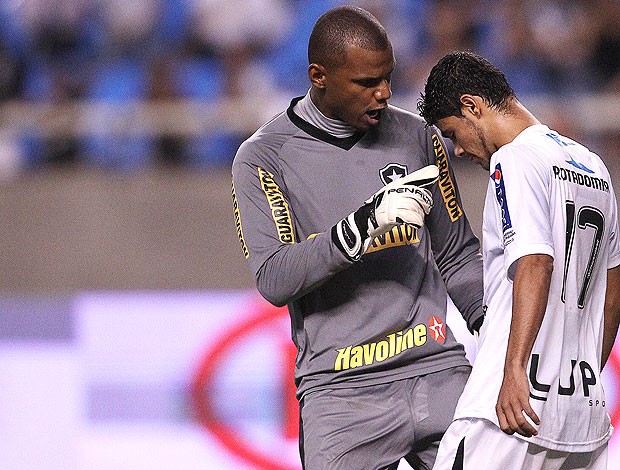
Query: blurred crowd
[[128, 84]]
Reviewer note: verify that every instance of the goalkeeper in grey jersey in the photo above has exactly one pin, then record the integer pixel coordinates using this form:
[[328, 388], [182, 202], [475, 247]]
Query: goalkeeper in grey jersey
[[348, 211]]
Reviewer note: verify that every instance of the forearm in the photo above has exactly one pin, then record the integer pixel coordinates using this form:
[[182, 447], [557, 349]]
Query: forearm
[[297, 269], [464, 284], [455, 246], [612, 313], [530, 294]]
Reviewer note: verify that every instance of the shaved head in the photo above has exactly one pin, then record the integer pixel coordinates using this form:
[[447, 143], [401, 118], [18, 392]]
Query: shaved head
[[341, 27]]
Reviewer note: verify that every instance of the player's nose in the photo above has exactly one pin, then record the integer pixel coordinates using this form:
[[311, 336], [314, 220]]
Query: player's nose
[[383, 91]]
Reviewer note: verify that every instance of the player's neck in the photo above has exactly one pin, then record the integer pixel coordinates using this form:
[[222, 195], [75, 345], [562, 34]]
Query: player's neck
[[510, 124], [311, 113]]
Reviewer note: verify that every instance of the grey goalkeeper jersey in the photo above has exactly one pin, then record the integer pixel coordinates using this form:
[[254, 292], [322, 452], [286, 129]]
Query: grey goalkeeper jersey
[[383, 317]]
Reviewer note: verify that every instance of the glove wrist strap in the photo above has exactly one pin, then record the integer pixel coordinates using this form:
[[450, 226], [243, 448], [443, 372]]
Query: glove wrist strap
[[350, 234]]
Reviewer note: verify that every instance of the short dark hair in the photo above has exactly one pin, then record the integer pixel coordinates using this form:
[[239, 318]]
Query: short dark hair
[[341, 27], [459, 73]]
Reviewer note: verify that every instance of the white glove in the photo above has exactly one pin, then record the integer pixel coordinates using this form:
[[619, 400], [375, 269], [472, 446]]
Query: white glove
[[403, 201]]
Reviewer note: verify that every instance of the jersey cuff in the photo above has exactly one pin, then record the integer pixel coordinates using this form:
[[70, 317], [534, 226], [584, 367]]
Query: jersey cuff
[[613, 262]]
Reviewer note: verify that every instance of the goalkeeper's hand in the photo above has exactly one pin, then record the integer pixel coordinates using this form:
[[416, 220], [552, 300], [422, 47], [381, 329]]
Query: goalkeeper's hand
[[403, 201]]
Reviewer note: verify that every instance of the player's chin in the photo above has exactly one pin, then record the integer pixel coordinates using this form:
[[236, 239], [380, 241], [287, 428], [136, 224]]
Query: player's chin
[[369, 119], [483, 162]]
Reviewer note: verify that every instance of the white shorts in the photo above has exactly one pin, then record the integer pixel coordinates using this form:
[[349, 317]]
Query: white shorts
[[476, 444]]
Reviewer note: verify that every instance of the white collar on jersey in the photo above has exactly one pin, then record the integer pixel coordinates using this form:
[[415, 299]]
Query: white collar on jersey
[[308, 111]]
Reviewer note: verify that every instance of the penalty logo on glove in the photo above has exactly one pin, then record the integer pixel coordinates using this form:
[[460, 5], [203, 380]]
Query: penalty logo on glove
[[404, 201], [413, 190]]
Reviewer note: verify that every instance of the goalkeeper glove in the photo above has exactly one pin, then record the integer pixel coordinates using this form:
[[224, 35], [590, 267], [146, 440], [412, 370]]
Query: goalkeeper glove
[[403, 201]]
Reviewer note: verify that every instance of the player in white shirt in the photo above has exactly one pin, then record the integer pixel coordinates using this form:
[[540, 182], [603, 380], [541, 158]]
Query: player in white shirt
[[552, 281]]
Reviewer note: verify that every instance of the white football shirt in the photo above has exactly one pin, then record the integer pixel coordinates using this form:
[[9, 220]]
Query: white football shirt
[[549, 195]]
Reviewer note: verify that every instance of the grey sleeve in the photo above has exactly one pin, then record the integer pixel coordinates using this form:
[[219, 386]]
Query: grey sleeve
[[455, 247], [285, 268]]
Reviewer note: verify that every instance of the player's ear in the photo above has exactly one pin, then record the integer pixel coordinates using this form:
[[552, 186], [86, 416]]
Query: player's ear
[[316, 74], [470, 104]]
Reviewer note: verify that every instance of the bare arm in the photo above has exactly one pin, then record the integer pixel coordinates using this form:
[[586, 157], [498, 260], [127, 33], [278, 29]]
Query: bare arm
[[612, 312], [530, 294]]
